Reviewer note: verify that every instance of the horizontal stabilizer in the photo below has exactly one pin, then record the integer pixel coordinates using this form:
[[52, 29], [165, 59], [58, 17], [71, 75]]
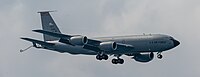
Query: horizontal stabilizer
[[38, 41]]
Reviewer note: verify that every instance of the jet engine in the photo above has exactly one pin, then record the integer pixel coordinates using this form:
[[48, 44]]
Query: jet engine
[[78, 40], [108, 46], [144, 57]]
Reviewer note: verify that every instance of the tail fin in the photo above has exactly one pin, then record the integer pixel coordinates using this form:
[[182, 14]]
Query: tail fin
[[48, 24]]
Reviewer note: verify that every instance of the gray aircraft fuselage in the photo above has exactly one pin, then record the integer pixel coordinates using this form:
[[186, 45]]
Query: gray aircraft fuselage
[[141, 43]]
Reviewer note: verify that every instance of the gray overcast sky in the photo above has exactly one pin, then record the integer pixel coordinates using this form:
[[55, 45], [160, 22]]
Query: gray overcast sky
[[178, 18]]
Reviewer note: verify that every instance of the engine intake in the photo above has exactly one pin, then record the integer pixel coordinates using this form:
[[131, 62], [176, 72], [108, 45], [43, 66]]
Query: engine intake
[[78, 40], [108, 46]]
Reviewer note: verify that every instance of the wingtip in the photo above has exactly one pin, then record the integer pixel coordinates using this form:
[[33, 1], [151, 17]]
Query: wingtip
[[38, 30], [23, 38], [34, 30]]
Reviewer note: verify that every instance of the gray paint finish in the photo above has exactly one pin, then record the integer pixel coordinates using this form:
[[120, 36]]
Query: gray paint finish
[[134, 45], [179, 18]]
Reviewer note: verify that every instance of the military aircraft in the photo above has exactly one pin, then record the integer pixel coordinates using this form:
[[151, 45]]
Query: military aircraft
[[141, 48]]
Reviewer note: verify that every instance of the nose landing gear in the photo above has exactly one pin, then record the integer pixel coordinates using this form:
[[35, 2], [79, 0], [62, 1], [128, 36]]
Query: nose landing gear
[[159, 55]]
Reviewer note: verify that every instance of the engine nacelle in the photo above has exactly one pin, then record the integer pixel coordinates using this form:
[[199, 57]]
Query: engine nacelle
[[108, 46], [78, 40], [144, 57]]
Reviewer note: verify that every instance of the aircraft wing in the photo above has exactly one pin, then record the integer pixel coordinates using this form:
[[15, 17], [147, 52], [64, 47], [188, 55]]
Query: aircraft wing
[[53, 34], [64, 36], [38, 41], [91, 44]]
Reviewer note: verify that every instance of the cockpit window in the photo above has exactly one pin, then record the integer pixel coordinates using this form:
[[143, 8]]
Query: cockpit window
[[171, 38]]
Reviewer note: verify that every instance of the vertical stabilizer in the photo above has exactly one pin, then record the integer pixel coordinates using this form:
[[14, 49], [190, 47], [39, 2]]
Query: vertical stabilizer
[[48, 24]]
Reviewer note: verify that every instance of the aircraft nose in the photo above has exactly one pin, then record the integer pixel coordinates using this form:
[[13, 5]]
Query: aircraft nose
[[176, 43]]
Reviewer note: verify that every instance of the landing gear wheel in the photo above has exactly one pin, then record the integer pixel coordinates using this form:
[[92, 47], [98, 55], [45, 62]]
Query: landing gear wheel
[[117, 61], [98, 57], [159, 56], [101, 57], [114, 61], [120, 61], [105, 57]]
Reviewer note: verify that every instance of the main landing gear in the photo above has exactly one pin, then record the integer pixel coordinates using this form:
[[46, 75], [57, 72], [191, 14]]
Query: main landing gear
[[102, 57], [118, 60], [114, 61], [159, 55]]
